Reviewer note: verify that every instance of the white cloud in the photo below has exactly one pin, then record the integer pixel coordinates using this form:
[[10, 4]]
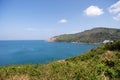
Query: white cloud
[[62, 21], [117, 18], [93, 11], [115, 9]]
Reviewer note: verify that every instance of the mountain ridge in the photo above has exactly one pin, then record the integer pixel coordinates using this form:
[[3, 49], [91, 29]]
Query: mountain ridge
[[95, 35]]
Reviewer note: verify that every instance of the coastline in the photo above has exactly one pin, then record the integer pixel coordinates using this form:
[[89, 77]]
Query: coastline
[[51, 39], [54, 40]]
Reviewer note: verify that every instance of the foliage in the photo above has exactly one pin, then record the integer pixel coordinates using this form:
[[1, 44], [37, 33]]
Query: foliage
[[113, 46], [95, 35]]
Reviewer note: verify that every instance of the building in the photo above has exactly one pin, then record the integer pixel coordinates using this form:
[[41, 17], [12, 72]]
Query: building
[[107, 41]]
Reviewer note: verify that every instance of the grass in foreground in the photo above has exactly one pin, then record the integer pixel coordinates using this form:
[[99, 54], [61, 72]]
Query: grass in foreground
[[102, 63]]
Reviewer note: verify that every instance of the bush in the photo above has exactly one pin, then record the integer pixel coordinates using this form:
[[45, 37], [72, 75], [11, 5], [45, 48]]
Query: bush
[[113, 46]]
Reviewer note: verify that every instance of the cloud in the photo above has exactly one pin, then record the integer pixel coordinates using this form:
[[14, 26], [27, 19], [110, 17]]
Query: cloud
[[115, 9], [62, 21], [93, 11], [117, 17]]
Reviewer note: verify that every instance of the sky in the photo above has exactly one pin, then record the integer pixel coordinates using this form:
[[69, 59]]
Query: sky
[[43, 19]]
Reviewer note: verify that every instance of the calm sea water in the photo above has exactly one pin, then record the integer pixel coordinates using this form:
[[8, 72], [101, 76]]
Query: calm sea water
[[22, 52]]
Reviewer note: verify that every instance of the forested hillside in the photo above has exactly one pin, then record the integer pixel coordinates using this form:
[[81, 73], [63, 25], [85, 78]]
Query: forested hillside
[[95, 35]]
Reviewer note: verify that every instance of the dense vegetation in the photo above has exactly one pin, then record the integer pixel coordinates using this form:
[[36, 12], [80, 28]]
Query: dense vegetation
[[101, 63], [95, 35]]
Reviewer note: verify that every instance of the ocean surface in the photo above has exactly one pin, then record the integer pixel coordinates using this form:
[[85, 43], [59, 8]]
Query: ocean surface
[[39, 51]]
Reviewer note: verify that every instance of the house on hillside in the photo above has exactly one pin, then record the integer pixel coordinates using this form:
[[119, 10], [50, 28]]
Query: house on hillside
[[107, 41]]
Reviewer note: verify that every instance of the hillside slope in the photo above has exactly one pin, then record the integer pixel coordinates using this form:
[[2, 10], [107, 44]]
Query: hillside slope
[[95, 35], [101, 63]]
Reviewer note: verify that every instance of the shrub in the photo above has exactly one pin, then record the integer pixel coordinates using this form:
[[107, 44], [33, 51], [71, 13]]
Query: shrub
[[113, 46]]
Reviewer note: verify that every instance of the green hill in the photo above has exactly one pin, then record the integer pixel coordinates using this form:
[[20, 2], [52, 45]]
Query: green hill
[[95, 35], [101, 63]]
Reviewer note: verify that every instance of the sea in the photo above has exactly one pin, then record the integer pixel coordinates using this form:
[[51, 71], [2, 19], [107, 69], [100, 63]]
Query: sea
[[39, 51]]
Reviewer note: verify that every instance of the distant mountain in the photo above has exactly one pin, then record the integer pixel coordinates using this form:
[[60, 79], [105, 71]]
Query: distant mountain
[[95, 35]]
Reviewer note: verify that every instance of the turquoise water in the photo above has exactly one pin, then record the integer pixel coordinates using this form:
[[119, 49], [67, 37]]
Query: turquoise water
[[22, 52]]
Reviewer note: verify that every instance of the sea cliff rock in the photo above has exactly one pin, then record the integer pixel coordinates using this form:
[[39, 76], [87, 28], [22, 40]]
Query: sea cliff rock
[[52, 39]]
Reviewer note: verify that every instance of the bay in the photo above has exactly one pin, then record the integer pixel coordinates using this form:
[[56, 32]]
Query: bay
[[39, 51]]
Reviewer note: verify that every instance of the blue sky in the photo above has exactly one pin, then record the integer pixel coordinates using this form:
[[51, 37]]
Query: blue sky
[[42, 19]]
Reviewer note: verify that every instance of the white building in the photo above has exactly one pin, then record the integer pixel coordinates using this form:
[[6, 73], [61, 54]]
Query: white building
[[107, 41]]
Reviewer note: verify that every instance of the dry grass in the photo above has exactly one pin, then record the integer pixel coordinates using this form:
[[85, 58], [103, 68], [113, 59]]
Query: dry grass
[[19, 77]]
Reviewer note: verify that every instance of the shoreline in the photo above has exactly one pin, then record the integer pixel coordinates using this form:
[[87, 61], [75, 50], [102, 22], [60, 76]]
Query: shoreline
[[73, 42]]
